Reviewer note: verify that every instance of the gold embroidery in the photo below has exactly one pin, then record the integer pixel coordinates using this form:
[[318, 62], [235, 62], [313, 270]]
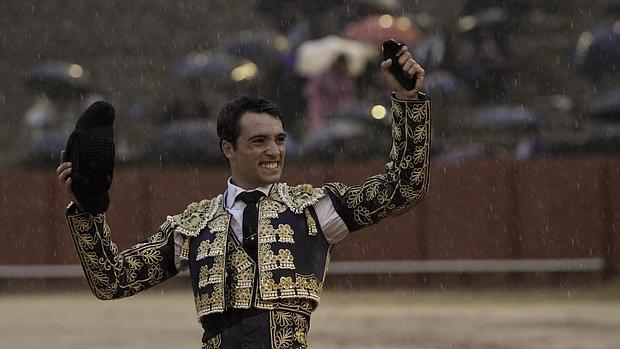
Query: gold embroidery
[[297, 305], [111, 274], [267, 234], [185, 248], [214, 302], [271, 261], [312, 230], [196, 216], [210, 303], [219, 224], [81, 224], [297, 198], [239, 260], [210, 275], [307, 286], [406, 179], [288, 329], [213, 343], [209, 249], [270, 209], [242, 269]]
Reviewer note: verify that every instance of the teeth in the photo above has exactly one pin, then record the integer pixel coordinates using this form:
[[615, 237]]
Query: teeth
[[270, 164]]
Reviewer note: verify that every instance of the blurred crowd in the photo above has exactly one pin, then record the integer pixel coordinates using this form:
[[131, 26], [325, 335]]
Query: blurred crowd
[[319, 62]]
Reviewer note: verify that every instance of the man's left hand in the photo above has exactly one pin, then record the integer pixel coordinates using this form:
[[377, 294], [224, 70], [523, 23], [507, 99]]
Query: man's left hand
[[411, 68]]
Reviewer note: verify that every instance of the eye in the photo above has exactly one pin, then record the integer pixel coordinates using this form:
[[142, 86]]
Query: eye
[[281, 139], [258, 140]]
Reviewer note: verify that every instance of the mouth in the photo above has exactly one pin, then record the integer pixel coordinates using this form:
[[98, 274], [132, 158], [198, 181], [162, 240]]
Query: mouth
[[270, 164]]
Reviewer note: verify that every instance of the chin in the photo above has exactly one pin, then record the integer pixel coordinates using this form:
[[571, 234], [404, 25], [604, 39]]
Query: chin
[[271, 179]]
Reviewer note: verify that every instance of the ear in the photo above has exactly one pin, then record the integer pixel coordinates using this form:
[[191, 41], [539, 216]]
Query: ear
[[227, 149]]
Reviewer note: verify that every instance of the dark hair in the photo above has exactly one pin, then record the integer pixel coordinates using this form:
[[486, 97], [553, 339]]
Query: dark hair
[[231, 113]]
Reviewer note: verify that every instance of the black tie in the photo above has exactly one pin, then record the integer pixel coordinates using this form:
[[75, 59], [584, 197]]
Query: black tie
[[250, 221]]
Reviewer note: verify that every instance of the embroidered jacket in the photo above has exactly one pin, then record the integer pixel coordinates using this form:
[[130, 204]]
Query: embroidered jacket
[[293, 253]]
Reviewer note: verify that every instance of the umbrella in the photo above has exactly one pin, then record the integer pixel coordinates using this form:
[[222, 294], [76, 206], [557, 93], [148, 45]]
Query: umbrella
[[376, 29], [343, 139], [506, 117], [277, 7], [186, 141], [316, 56], [50, 76], [262, 47], [486, 18], [205, 64], [390, 6], [598, 52], [218, 67], [353, 134], [605, 105]]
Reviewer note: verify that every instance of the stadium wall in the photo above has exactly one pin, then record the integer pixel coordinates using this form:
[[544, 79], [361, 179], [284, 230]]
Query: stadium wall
[[494, 221]]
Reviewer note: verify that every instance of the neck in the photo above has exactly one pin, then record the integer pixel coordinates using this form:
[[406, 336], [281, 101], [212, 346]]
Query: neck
[[244, 185]]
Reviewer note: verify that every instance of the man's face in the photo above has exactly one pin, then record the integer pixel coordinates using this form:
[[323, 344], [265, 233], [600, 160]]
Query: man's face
[[258, 157]]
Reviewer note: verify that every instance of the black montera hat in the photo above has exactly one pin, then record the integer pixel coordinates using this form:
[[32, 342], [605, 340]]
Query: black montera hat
[[90, 149]]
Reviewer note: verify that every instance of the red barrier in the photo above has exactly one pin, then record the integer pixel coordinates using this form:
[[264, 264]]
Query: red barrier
[[488, 209]]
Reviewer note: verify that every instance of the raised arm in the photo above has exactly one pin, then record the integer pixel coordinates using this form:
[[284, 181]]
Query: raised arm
[[112, 274], [405, 181]]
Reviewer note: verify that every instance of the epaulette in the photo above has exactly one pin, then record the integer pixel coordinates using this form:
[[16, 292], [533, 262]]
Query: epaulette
[[197, 215], [297, 198]]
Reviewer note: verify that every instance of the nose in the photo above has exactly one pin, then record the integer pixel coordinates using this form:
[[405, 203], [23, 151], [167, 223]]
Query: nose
[[273, 149]]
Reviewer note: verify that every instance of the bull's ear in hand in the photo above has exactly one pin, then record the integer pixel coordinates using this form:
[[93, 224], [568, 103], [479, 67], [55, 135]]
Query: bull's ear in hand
[[390, 49]]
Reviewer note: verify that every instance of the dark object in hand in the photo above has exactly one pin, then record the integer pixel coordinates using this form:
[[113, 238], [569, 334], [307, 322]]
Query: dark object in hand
[[390, 49], [90, 149]]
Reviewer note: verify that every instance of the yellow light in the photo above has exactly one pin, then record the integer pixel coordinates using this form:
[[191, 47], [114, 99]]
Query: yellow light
[[378, 112], [75, 71], [245, 71], [403, 23], [467, 23], [281, 43], [386, 21], [201, 58]]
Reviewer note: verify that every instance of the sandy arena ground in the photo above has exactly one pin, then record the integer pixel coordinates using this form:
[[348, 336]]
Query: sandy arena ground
[[578, 319]]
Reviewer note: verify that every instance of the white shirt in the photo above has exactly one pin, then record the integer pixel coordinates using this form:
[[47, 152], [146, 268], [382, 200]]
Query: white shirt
[[333, 227]]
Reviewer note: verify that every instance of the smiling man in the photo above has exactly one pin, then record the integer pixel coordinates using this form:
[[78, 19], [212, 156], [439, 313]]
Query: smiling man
[[258, 252], [252, 139]]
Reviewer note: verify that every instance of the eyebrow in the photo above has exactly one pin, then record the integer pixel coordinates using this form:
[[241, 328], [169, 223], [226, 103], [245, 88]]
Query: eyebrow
[[261, 135]]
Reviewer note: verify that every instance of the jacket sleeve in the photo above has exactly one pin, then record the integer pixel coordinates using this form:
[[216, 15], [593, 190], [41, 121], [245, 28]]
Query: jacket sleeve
[[406, 179], [112, 274]]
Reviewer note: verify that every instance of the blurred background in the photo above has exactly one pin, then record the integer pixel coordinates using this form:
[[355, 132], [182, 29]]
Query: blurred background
[[522, 209]]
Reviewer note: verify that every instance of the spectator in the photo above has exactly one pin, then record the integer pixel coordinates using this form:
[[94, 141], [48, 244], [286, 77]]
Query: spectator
[[328, 93]]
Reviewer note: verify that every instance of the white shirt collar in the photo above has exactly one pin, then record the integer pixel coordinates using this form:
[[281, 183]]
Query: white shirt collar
[[232, 191]]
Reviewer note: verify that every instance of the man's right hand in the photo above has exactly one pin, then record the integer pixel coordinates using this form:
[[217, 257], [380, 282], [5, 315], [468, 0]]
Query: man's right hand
[[64, 171]]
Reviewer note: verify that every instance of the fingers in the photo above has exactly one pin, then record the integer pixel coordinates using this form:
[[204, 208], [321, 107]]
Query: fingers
[[385, 65], [63, 166], [402, 50], [387, 75], [410, 68], [65, 173], [419, 72], [68, 189]]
